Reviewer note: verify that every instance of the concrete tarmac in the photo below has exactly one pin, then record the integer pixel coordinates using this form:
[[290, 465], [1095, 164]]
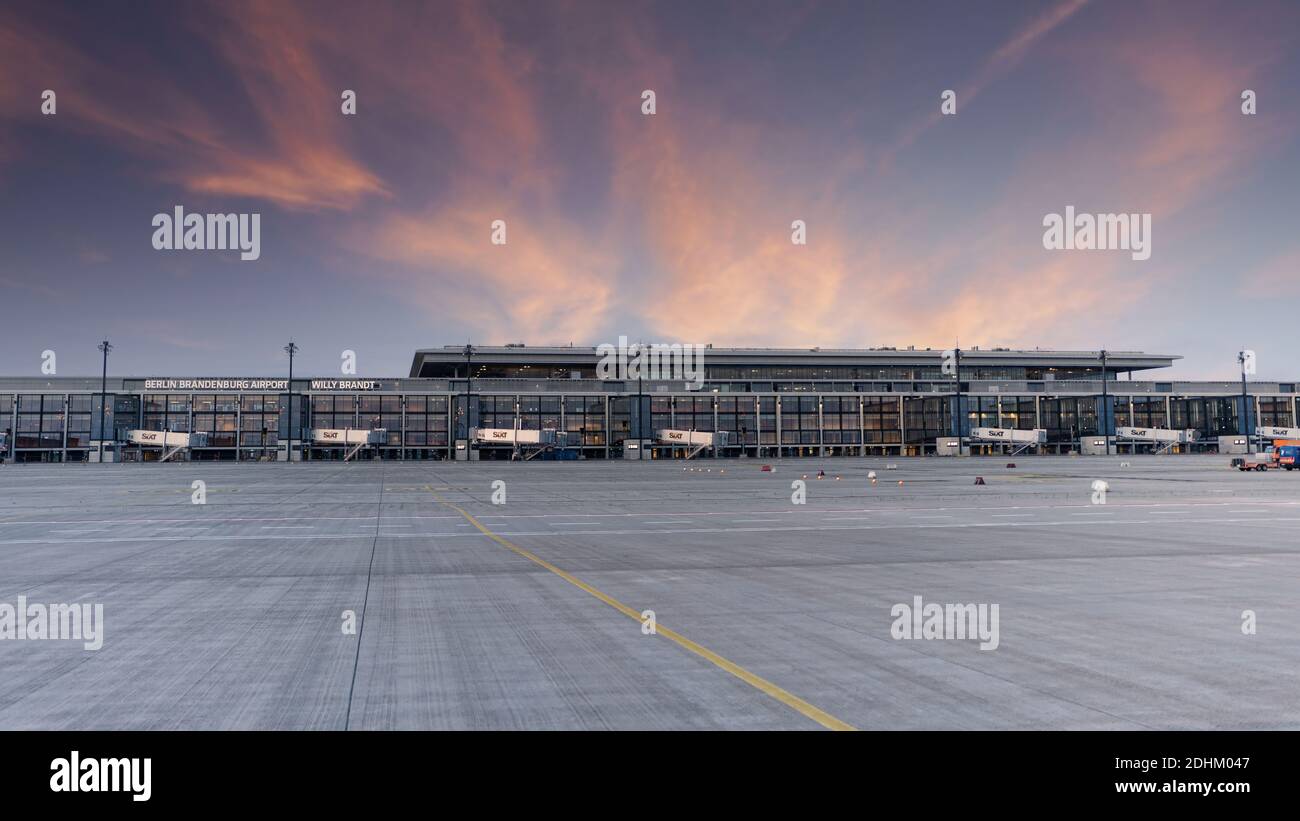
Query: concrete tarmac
[[1126, 614]]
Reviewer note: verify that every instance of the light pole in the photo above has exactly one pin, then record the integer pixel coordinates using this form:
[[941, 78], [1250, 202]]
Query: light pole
[[1105, 405], [961, 427], [104, 348], [1245, 408], [290, 349], [640, 405], [469, 395]]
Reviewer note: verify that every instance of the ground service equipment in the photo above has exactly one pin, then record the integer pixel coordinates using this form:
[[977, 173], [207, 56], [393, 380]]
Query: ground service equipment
[[1018, 440], [171, 442], [352, 438], [1161, 438], [533, 442], [695, 440]]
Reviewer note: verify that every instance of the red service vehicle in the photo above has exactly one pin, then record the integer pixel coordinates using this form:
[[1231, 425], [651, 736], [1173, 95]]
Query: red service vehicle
[[1259, 461]]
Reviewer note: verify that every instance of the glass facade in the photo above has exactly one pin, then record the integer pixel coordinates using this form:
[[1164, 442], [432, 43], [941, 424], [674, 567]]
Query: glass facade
[[426, 426], [47, 425], [259, 425], [39, 422], [742, 377], [1067, 419], [585, 417], [800, 423], [1211, 416], [927, 418], [1276, 411]]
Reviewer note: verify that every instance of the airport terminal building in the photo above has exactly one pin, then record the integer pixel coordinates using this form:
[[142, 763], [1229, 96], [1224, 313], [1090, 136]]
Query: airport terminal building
[[769, 402]]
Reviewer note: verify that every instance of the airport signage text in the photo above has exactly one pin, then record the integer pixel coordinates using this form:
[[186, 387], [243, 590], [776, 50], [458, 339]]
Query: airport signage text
[[344, 384], [216, 384], [251, 384]]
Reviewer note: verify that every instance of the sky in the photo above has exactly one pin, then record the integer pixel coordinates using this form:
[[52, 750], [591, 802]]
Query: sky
[[922, 228]]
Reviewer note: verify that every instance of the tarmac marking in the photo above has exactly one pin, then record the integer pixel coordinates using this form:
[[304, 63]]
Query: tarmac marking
[[814, 510], [209, 536], [216, 519], [763, 685]]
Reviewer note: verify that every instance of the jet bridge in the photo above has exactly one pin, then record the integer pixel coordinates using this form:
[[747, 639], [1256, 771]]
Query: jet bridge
[[1161, 439], [532, 442], [1272, 433], [695, 440], [354, 439], [170, 442], [1018, 440]]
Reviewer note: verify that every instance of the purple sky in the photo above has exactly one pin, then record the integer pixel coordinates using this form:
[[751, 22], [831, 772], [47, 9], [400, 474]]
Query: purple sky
[[375, 228]]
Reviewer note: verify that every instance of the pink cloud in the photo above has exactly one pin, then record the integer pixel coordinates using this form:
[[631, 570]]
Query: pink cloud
[[295, 156]]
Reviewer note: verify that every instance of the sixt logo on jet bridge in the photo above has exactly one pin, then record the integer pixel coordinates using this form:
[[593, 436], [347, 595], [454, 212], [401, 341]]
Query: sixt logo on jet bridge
[[693, 438], [1035, 436], [349, 436], [546, 436], [654, 361], [1270, 432], [167, 438], [1168, 435]]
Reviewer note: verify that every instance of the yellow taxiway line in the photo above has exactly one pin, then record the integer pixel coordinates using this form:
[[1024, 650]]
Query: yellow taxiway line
[[758, 682]]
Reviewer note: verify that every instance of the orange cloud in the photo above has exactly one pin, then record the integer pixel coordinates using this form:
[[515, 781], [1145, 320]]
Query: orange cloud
[[691, 236], [548, 282], [294, 156], [555, 278], [715, 212]]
